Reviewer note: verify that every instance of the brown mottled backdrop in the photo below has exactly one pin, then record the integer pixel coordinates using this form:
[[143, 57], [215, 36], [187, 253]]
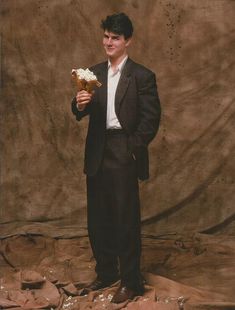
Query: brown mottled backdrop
[[189, 44]]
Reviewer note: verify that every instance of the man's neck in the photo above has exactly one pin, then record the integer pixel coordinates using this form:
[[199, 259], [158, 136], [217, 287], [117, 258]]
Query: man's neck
[[115, 62]]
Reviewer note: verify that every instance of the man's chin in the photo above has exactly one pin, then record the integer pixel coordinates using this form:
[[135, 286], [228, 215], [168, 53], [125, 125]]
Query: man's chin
[[109, 54]]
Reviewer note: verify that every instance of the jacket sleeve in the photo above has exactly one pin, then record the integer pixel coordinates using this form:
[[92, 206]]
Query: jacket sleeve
[[149, 112], [79, 114]]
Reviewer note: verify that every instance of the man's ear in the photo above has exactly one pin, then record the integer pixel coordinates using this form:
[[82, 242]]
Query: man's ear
[[128, 42]]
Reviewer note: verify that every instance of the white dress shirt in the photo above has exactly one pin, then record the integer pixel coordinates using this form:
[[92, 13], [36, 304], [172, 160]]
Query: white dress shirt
[[113, 79]]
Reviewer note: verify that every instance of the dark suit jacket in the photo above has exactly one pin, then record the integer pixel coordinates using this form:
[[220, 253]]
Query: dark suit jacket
[[138, 110]]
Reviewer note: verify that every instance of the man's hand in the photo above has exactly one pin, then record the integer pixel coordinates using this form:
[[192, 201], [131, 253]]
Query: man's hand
[[83, 98]]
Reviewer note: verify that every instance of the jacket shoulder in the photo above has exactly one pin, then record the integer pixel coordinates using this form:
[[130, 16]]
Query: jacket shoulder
[[99, 66], [140, 69]]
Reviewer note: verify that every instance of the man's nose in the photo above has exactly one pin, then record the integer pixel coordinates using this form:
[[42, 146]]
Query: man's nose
[[110, 41]]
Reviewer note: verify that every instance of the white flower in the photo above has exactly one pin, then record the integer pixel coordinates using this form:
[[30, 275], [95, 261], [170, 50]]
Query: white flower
[[86, 75]]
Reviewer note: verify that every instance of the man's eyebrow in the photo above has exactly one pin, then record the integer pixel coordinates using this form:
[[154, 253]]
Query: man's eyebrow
[[112, 36]]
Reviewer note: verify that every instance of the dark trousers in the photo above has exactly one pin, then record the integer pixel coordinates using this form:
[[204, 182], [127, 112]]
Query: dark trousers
[[114, 213]]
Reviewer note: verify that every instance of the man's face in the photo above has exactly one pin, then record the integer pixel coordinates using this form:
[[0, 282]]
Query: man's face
[[115, 44]]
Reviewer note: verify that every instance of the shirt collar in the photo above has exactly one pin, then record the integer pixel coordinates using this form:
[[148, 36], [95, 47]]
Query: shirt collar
[[120, 66]]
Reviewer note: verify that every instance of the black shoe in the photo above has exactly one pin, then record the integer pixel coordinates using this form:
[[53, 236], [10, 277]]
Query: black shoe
[[96, 285]]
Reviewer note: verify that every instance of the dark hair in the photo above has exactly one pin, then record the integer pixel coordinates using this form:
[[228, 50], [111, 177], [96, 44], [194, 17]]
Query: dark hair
[[118, 23]]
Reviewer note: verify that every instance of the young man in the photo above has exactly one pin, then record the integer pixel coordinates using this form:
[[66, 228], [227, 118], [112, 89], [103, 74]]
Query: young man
[[124, 117]]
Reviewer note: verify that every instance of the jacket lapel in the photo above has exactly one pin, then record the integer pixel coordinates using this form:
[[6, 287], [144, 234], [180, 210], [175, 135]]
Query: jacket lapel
[[122, 85], [102, 75]]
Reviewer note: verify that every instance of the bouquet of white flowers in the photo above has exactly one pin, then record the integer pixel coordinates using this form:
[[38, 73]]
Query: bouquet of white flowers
[[85, 79]]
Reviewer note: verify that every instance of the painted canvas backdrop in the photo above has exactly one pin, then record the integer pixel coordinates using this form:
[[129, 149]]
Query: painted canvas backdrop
[[189, 45]]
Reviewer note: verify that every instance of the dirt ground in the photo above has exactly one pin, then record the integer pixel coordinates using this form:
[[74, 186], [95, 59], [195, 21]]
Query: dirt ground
[[191, 273]]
